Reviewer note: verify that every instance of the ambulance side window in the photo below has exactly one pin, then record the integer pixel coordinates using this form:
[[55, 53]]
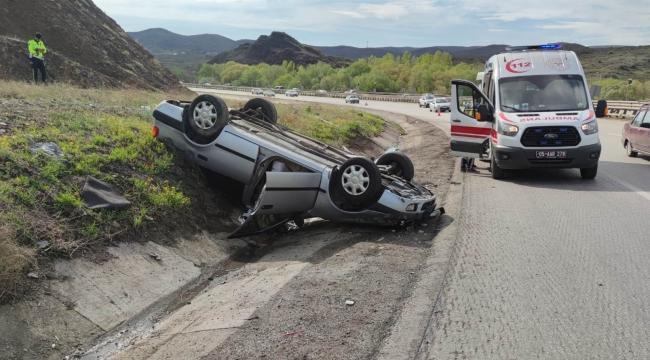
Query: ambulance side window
[[469, 100]]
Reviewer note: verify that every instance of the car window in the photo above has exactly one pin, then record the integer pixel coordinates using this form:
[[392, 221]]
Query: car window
[[543, 93], [646, 118], [469, 100], [637, 119]]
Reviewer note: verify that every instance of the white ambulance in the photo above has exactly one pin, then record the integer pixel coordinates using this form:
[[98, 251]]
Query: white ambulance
[[533, 110]]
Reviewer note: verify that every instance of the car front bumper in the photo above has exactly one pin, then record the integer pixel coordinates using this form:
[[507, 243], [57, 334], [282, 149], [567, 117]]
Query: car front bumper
[[513, 158]]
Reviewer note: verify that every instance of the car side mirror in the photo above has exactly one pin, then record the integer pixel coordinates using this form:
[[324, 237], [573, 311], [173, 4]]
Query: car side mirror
[[484, 113]]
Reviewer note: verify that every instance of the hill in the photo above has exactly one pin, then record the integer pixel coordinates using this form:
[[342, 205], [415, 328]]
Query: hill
[[274, 49], [162, 41], [85, 46]]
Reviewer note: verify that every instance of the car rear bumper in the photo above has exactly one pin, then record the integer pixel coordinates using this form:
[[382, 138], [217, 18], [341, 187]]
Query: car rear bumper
[[511, 158]]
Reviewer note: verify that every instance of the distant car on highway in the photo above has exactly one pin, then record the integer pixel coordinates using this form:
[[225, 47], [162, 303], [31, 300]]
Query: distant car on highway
[[321, 93], [425, 100], [292, 93], [279, 88], [269, 92], [257, 91], [440, 104], [352, 99], [636, 134]]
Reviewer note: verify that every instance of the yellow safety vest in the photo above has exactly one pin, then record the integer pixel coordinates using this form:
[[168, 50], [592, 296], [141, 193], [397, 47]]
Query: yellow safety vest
[[36, 49]]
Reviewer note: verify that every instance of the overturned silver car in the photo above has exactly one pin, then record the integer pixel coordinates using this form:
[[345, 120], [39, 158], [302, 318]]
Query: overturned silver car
[[288, 176]]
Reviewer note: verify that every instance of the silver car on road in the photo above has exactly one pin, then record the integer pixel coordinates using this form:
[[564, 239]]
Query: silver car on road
[[288, 176]]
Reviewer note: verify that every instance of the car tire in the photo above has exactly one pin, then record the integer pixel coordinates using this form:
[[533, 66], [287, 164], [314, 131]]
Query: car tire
[[356, 184], [630, 150], [589, 173], [497, 172], [263, 110], [401, 165], [601, 107], [205, 118]]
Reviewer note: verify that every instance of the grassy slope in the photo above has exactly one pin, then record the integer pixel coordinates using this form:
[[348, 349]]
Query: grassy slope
[[106, 134]]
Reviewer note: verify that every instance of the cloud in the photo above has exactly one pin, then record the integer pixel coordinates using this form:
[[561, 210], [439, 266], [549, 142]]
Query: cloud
[[398, 22], [385, 11]]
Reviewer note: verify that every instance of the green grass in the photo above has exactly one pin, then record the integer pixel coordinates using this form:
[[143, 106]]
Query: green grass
[[110, 140]]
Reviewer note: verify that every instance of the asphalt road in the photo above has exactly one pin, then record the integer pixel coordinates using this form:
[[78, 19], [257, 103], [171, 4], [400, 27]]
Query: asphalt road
[[545, 265]]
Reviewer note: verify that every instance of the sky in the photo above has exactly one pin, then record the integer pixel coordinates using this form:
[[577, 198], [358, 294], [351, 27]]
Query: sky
[[416, 23]]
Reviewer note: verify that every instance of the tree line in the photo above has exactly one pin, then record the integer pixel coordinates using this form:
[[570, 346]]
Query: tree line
[[389, 73]]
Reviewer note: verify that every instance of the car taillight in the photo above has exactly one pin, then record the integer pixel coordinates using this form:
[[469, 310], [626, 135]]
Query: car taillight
[[155, 131]]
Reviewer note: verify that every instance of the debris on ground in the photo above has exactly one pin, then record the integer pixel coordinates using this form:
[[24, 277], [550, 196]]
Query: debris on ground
[[48, 148], [155, 256], [349, 302], [33, 275], [43, 244], [97, 194]]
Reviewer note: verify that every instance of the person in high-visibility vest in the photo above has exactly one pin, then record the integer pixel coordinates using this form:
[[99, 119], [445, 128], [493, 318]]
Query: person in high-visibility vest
[[37, 51]]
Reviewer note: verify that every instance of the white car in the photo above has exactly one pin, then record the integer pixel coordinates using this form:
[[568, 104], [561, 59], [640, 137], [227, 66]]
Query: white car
[[534, 111], [440, 104], [257, 91], [425, 100], [352, 99], [292, 93], [269, 93]]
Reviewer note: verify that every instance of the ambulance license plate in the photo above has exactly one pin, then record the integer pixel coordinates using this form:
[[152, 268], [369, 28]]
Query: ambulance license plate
[[553, 154]]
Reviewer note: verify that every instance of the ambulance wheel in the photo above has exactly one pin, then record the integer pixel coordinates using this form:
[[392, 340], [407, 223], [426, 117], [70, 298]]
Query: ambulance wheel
[[589, 173], [497, 172]]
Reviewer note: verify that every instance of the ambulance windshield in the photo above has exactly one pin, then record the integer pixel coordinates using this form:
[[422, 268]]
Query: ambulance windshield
[[543, 93]]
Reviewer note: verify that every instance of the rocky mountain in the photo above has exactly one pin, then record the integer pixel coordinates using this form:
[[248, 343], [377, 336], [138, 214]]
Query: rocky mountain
[[85, 46], [274, 49]]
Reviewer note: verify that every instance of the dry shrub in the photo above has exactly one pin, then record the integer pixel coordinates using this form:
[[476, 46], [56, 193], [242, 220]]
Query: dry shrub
[[14, 263]]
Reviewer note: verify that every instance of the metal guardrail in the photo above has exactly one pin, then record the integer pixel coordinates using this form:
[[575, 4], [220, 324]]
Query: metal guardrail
[[623, 109], [390, 97]]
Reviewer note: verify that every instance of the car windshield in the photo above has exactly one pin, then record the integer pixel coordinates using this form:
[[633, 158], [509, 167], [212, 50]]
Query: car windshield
[[428, 96], [442, 100], [543, 93]]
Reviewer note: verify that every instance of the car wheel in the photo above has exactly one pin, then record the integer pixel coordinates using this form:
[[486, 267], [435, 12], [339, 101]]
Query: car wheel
[[497, 172], [399, 164], [205, 118], [589, 173], [630, 150], [262, 109], [356, 184]]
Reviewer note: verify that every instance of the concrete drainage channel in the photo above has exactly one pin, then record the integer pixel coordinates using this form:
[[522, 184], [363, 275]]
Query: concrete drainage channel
[[198, 306]]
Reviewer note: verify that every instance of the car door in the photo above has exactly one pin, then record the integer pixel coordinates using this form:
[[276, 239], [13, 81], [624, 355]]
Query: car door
[[469, 132], [643, 134], [284, 196], [633, 131]]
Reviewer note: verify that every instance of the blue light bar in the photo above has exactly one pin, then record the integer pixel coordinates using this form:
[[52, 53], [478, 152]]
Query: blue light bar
[[552, 46]]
